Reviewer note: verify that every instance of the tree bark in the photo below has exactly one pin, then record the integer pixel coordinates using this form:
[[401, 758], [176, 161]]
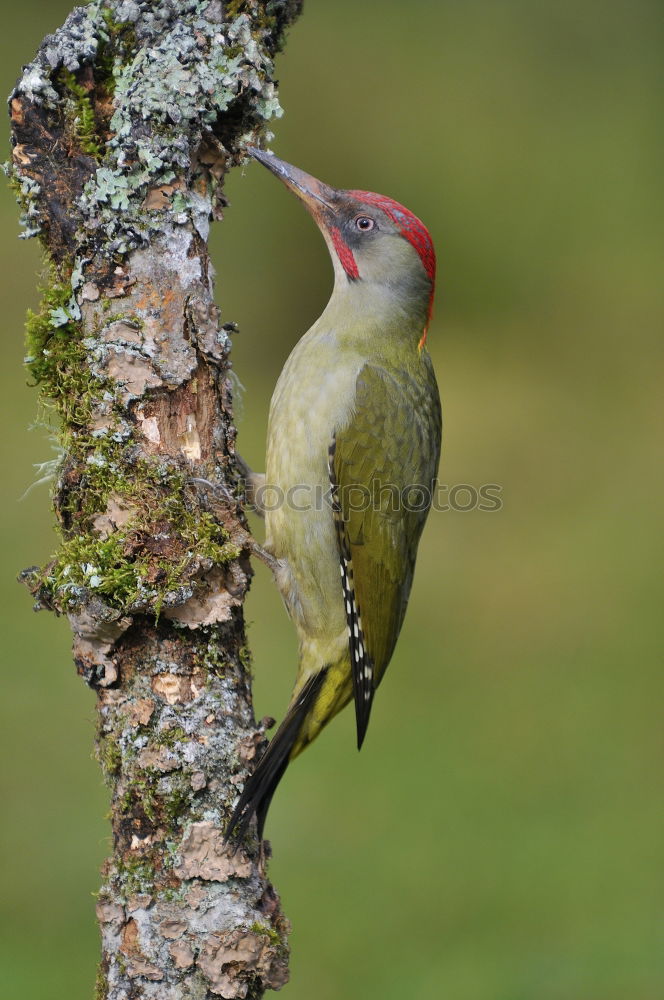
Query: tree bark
[[124, 127]]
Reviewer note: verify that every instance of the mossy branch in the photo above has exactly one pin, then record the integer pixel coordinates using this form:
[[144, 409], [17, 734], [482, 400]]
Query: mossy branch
[[124, 127]]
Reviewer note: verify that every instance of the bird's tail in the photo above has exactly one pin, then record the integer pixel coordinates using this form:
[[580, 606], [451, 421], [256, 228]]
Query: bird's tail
[[261, 785]]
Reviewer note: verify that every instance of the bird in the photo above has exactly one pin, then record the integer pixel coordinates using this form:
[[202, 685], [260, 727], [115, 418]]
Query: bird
[[353, 446]]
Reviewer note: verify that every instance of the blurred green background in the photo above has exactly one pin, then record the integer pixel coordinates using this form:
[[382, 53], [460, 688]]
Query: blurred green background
[[500, 836]]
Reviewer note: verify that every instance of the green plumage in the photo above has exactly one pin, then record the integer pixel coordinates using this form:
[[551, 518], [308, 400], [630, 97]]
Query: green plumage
[[352, 455], [389, 449]]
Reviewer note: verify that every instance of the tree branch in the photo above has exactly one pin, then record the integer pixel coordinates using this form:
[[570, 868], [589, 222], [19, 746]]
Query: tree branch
[[124, 127]]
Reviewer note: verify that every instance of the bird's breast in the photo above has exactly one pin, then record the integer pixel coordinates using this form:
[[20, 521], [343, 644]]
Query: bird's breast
[[313, 397]]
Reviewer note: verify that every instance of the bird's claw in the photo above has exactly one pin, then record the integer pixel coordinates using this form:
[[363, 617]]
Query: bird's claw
[[265, 557], [214, 487], [257, 550]]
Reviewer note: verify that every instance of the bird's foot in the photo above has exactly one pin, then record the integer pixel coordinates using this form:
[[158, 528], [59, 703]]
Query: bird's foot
[[265, 557], [254, 484], [216, 488]]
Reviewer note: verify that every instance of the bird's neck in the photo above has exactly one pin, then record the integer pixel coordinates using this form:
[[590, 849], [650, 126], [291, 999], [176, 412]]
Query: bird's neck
[[377, 311]]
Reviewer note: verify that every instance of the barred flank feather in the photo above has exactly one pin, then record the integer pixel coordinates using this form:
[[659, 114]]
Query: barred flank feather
[[361, 664]]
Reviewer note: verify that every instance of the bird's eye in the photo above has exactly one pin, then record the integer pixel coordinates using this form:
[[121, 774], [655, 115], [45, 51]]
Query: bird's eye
[[364, 223]]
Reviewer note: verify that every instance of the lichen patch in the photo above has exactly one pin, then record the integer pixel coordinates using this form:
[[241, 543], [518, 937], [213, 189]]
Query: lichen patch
[[121, 332], [250, 952], [182, 954], [140, 711], [173, 688], [204, 855], [212, 603], [172, 929], [133, 374], [160, 758]]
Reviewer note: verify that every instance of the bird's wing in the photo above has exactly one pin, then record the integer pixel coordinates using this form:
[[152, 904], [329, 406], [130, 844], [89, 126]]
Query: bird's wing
[[382, 470]]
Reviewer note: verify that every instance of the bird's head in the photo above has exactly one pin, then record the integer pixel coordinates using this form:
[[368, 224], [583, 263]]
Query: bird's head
[[372, 239]]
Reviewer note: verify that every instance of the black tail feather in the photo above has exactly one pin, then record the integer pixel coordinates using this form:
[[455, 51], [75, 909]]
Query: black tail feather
[[261, 785]]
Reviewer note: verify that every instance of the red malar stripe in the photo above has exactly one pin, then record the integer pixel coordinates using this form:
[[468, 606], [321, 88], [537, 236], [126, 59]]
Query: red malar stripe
[[344, 253]]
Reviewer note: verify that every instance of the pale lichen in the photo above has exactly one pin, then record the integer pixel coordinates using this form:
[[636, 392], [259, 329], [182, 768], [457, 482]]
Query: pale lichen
[[169, 93]]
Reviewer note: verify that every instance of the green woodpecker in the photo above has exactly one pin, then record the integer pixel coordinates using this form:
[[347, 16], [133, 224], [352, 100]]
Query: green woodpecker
[[352, 453]]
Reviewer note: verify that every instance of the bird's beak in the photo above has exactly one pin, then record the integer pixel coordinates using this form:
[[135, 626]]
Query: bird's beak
[[315, 195]]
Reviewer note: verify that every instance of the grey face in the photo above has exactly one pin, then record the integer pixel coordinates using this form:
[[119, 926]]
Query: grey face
[[361, 226], [384, 258]]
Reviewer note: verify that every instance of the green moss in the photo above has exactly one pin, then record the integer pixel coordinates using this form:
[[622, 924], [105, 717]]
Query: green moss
[[213, 661], [232, 51], [83, 117], [99, 564], [125, 802], [128, 568], [153, 554], [234, 8], [263, 18], [177, 802], [269, 932], [136, 875], [131, 319], [40, 327], [143, 791], [101, 983], [244, 655], [162, 797], [172, 895], [104, 70], [109, 756], [117, 42], [89, 109], [119, 32], [169, 737], [56, 356]]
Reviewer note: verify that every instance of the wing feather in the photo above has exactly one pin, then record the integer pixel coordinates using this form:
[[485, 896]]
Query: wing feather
[[382, 471]]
